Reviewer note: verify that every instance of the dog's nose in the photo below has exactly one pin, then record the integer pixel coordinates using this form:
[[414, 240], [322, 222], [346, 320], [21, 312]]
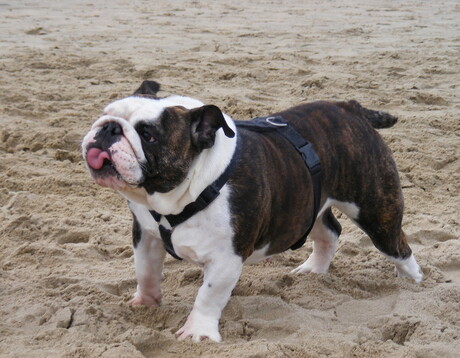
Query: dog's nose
[[113, 128]]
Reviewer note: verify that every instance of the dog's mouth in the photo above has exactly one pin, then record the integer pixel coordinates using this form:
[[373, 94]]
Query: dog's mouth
[[111, 157], [104, 171], [98, 159]]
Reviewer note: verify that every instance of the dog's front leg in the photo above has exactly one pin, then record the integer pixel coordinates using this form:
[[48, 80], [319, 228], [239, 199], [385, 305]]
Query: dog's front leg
[[149, 255], [220, 277]]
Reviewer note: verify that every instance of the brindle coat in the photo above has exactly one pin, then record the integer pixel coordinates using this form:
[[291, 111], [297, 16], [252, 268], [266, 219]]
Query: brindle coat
[[271, 186], [357, 167]]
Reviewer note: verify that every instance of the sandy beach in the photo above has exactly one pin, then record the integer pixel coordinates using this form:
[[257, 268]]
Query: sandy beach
[[66, 261]]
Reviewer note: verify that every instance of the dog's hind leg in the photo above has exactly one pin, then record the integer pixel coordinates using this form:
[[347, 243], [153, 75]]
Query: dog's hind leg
[[408, 266], [325, 234], [390, 239], [383, 225]]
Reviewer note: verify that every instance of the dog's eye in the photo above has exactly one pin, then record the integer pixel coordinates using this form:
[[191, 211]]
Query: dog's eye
[[147, 137]]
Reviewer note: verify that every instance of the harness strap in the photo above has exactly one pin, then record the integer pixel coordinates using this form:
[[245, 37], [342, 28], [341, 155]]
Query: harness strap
[[167, 243], [207, 196], [306, 151]]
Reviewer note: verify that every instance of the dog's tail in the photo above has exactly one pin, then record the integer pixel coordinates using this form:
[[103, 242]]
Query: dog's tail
[[377, 119]]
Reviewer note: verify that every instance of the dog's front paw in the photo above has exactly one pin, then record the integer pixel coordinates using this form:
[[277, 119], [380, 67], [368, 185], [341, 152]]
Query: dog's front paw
[[142, 299], [199, 328]]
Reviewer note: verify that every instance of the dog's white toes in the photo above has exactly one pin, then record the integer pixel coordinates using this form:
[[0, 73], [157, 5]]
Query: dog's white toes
[[196, 337], [408, 268], [301, 269], [417, 276], [199, 328], [312, 265]]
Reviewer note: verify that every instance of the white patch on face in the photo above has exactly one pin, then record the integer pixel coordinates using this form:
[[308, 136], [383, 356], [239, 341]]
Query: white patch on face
[[124, 155], [135, 109], [113, 182], [128, 132], [125, 162]]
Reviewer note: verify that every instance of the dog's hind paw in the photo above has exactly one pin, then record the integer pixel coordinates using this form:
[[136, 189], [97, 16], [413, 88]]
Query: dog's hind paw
[[313, 264], [408, 268], [145, 300]]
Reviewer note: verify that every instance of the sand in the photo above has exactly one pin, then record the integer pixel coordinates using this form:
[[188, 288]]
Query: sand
[[66, 264]]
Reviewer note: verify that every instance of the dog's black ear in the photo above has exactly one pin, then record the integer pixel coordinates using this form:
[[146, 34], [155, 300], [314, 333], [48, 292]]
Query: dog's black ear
[[149, 88], [206, 121]]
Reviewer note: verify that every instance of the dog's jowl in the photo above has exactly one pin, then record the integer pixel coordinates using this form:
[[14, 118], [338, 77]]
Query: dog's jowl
[[220, 194]]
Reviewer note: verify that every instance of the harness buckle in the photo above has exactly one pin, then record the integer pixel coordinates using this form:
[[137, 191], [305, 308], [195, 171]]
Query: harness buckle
[[207, 196], [276, 121]]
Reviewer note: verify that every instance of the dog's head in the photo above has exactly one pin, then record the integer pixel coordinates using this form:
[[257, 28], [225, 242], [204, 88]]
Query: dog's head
[[147, 142]]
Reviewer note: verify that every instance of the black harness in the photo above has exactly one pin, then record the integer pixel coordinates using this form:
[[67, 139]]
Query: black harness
[[208, 195]]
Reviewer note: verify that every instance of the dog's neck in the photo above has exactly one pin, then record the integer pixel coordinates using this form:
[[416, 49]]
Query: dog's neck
[[205, 169]]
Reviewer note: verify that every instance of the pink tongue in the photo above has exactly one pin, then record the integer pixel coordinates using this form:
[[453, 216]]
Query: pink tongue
[[95, 158]]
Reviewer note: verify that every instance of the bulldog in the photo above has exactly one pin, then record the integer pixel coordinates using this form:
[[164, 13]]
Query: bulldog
[[220, 194]]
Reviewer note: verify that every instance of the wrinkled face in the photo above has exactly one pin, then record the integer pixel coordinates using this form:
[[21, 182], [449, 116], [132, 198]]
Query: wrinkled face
[[149, 143]]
